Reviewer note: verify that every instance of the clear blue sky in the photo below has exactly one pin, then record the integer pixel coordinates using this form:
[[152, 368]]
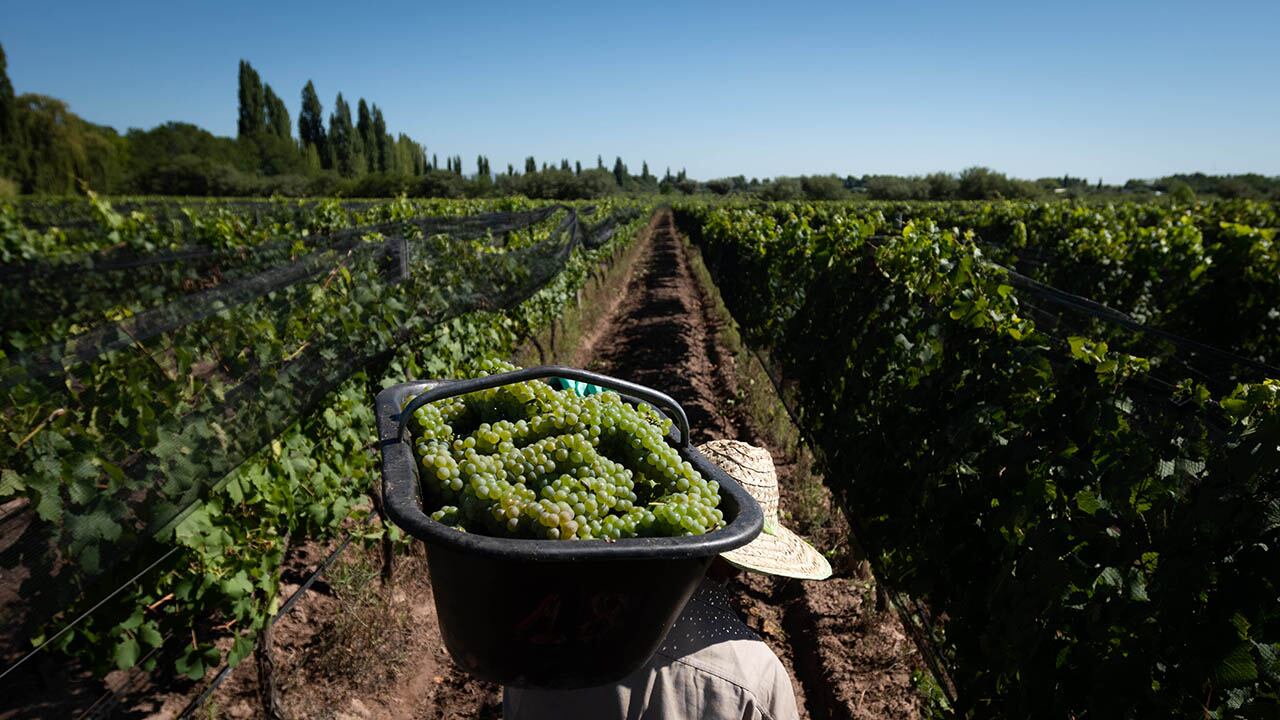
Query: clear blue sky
[[1034, 88]]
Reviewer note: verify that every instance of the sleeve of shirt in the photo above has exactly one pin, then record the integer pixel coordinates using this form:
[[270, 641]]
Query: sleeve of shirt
[[781, 704]]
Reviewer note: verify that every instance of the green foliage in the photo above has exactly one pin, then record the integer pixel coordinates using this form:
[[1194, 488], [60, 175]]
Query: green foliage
[[55, 150], [8, 118], [1181, 192], [277, 116], [252, 118], [240, 433], [381, 148], [311, 132], [1099, 544], [823, 187], [368, 141], [342, 138]]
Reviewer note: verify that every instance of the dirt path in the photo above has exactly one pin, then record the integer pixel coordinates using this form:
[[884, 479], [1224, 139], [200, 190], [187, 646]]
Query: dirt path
[[846, 659]]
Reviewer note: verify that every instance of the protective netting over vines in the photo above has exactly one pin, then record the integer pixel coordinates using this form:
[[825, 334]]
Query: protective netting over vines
[[1068, 473], [137, 378]]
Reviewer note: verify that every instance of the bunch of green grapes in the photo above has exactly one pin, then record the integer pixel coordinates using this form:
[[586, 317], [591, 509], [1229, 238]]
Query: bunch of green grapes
[[526, 460]]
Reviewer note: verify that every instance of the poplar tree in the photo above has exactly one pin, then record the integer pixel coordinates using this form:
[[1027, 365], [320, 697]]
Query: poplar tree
[[644, 170], [341, 138], [619, 171], [530, 165], [381, 139], [8, 116], [564, 164], [599, 162], [364, 127], [8, 105], [311, 125], [577, 167], [253, 118], [278, 122]]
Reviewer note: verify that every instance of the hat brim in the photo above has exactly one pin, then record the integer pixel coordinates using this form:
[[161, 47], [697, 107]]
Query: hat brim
[[780, 552]]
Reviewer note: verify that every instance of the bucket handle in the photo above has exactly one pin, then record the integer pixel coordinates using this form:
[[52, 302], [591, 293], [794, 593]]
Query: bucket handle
[[451, 388]]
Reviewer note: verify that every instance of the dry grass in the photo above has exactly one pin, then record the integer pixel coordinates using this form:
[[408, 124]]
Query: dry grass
[[365, 643]]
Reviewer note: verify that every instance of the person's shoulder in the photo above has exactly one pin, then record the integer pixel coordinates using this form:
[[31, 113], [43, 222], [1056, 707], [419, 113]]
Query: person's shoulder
[[710, 647], [739, 678], [742, 662]]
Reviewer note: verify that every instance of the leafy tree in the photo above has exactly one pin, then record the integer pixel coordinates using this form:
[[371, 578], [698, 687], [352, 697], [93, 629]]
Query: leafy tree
[[364, 127], [644, 170], [599, 162], [152, 148], [311, 159], [619, 172], [980, 183], [719, 186], [8, 118], [1181, 192], [781, 189], [577, 167], [341, 138], [253, 114], [311, 125], [59, 149], [442, 184], [892, 187], [381, 139], [530, 165], [941, 186], [278, 123], [820, 187], [409, 156]]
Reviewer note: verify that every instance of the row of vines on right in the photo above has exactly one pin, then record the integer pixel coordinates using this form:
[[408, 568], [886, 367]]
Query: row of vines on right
[[1092, 513]]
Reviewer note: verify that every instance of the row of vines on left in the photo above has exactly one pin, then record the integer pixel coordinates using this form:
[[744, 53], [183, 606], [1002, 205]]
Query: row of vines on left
[[183, 400]]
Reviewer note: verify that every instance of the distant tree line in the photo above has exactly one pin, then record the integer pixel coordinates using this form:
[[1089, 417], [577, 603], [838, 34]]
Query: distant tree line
[[45, 148], [980, 183]]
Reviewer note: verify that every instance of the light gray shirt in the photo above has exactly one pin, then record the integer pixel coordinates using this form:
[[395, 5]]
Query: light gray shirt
[[711, 666]]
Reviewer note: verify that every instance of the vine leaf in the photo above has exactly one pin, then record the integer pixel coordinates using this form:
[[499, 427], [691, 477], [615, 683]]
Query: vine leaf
[[126, 654], [1237, 668]]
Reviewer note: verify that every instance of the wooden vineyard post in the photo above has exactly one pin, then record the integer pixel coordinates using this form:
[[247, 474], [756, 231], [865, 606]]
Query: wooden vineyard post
[[268, 692], [386, 547], [388, 558]]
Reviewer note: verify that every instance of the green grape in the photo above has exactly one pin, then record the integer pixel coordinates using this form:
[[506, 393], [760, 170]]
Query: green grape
[[527, 460]]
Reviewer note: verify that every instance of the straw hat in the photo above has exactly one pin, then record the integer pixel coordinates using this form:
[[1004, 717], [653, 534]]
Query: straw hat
[[777, 550]]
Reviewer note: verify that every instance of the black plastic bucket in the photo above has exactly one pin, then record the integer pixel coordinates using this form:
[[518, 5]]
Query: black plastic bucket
[[547, 613]]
